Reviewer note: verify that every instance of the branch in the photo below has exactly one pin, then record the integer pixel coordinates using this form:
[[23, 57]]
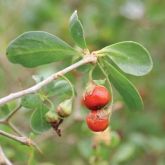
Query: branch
[[3, 159], [15, 129], [12, 113], [35, 88], [23, 140], [7, 119]]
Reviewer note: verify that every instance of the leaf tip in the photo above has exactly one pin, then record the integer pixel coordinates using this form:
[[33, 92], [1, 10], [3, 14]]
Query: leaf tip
[[74, 16]]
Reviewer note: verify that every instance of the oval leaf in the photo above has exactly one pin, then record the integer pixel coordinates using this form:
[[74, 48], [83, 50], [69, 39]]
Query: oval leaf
[[36, 48], [130, 57], [125, 88], [38, 121], [31, 101], [58, 88], [76, 30]]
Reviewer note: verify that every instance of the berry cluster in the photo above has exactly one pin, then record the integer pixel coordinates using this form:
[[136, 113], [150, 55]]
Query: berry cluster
[[95, 99]]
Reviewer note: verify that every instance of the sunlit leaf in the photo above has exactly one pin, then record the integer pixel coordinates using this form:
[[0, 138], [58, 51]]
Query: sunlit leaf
[[130, 57]]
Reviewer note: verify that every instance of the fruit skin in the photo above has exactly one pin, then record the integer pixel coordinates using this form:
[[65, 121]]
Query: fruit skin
[[97, 121], [97, 97]]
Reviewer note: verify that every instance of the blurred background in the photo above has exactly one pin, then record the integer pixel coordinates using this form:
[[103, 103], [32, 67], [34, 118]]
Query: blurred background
[[138, 138]]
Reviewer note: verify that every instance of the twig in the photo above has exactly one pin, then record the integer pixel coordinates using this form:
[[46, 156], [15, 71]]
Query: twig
[[12, 113], [15, 129], [21, 139], [3, 159], [35, 88], [6, 121]]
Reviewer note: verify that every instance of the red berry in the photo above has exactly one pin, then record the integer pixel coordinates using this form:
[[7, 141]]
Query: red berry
[[97, 121], [97, 97]]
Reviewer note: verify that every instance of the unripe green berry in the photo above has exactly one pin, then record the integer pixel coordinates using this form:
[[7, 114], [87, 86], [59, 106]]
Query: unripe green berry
[[64, 109], [51, 117]]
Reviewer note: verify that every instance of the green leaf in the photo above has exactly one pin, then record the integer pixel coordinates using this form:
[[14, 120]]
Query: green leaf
[[7, 108], [38, 121], [76, 30], [130, 57], [36, 48], [4, 111], [125, 88], [31, 101], [58, 88]]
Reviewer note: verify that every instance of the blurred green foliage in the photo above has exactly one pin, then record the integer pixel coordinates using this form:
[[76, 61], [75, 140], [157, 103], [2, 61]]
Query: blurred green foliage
[[140, 135]]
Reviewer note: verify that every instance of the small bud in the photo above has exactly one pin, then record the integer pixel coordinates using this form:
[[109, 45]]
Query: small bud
[[51, 117], [65, 108]]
